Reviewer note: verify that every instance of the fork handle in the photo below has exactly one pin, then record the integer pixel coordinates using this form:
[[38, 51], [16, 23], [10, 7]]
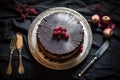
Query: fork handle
[[20, 68], [9, 67]]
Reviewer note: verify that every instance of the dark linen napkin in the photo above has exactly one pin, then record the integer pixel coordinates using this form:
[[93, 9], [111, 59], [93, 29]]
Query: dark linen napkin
[[106, 68]]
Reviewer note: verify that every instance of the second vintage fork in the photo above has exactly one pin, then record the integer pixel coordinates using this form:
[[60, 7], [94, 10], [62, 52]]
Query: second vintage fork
[[12, 48]]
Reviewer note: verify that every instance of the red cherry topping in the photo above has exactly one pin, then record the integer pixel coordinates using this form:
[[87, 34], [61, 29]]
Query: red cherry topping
[[63, 33], [56, 29], [55, 33], [60, 28], [59, 31], [81, 48], [66, 36], [64, 29]]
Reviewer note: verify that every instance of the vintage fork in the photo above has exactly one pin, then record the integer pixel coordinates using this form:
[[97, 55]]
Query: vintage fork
[[12, 48]]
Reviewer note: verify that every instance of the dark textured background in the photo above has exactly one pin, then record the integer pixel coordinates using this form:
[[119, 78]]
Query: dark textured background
[[106, 68]]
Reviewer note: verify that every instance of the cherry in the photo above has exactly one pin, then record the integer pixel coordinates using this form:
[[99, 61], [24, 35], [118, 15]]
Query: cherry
[[64, 29], [81, 48], [59, 31], [60, 28], [55, 33], [66, 36], [56, 29], [63, 33]]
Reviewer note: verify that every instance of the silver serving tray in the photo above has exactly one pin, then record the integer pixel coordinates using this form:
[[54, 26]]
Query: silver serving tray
[[33, 46]]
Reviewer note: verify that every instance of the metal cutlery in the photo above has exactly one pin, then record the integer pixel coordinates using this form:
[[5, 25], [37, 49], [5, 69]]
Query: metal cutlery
[[19, 46], [98, 54], [12, 48]]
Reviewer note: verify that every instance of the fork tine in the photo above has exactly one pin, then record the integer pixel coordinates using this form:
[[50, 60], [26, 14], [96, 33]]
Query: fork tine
[[13, 42]]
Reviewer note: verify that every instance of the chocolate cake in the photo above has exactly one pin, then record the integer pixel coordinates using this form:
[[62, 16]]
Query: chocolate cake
[[60, 36]]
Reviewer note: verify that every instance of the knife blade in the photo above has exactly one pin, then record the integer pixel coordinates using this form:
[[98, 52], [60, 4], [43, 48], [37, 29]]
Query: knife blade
[[98, 54], [102, 49]]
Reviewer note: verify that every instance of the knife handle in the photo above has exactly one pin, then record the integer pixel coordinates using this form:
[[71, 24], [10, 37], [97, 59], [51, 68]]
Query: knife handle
[[91, 62]]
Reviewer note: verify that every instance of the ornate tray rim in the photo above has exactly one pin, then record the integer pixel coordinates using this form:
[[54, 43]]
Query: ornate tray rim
[[32, 41]]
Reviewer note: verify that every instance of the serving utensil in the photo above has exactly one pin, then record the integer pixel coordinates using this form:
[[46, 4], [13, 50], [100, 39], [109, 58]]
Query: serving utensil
[[98, 54], [19, 46], [12, 48]]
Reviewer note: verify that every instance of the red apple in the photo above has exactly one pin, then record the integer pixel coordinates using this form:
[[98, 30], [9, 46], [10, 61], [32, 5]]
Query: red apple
[[106, 20], [95, 19], [107, 32]]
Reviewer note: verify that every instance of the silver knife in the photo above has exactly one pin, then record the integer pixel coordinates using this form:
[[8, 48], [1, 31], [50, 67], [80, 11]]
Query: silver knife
[[98, 54]]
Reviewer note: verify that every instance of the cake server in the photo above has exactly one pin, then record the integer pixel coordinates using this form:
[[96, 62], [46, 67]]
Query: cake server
[[19, 46], [98, 54]]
